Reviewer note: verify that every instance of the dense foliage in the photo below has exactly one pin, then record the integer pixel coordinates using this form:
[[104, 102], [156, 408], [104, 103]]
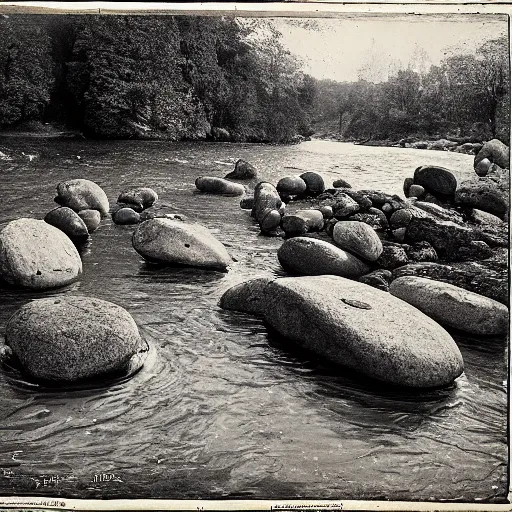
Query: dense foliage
[[465, 96], [193, 77], [152, 77]]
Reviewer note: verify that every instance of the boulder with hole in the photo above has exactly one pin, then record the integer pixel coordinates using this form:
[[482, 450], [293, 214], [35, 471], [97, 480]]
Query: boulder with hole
[[175, 242], [36, 255]]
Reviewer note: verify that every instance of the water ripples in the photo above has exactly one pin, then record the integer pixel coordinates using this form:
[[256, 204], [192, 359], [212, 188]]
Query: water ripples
[[223, 406]]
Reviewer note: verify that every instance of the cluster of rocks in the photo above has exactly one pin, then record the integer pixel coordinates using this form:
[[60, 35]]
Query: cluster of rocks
[[442, 252], [467, 148], [72, 338]]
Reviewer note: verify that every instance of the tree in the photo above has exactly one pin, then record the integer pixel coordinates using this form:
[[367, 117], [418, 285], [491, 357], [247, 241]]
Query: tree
[[26, 75]]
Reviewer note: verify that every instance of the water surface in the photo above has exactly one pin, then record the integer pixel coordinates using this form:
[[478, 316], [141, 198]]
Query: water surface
[[223, 408]]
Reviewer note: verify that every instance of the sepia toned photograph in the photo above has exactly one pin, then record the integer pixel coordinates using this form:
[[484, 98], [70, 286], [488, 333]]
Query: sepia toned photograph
[[254, 257]]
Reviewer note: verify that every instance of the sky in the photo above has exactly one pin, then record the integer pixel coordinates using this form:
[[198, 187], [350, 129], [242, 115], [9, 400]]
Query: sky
[[338, 48]]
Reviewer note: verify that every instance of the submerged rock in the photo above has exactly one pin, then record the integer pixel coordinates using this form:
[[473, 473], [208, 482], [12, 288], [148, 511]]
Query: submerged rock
[[138, 198], [125, 216], [34, 254], [309, 256], [163, 240], [81, 194], [213, 185], [365, 329], [69, 222], [243, 171], [246, 297], [91, 218], [453, 306], [70, 338]]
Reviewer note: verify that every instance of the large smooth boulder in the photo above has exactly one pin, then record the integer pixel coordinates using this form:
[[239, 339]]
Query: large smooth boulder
[[496, 152], [362, 328], [175, 242], [34, 254], [358, 238], [125, 216], [69, 338], [69, 222], [138, 198], [213, 185], [437, 180], [452, 306], [243, 171], [314, 182], [291, 186], [302, 222], [81, 194], [312, 257]]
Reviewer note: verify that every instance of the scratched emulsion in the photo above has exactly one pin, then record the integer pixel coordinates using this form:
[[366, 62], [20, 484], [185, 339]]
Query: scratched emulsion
[[223, 408]]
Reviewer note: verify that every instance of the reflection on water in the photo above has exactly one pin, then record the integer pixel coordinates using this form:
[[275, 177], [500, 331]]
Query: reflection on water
[[223, 407]]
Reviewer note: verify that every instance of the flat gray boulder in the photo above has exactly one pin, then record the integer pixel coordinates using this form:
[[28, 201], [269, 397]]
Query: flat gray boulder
[[69, 338], [453, 306], [34, 254], [162, 240], [362, 328]]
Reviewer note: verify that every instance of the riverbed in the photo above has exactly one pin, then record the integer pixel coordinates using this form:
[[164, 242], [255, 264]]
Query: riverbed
[[222, 407]]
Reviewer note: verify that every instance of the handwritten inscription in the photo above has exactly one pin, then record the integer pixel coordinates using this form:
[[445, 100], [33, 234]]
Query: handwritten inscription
[[105, 477]]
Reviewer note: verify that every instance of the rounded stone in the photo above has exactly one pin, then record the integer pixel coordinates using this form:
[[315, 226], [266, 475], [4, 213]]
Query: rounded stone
[[326, 212], [339, 183], [437, 180], [175, 242], [483, 166], [270, 220], [302, 222], [314, 182], [363, 328], [213, 185], [125, 216], [69, 222], [407, 185], [453, 306], [34, 254], [358, 238], [246, 297], [291, 186], [69, 338], [91, 218], [141, 198], [309, 256], [400, 218], [416, 191], [81, 194], [243, 171], [392, 256]]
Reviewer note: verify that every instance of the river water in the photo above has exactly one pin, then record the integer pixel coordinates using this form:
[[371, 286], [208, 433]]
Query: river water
[[222, 407]]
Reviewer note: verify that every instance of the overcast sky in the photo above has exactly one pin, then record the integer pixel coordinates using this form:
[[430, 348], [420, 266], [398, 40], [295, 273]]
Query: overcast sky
[[339, 48]]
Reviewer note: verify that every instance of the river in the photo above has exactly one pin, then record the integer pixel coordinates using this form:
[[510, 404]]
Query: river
[[222, 407]]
